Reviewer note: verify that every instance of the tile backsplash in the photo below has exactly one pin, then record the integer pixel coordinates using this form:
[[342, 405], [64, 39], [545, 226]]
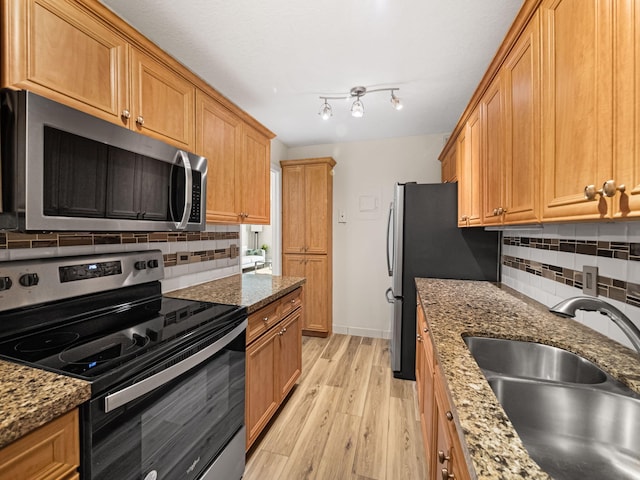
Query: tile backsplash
[[546, 264], [212, 254]]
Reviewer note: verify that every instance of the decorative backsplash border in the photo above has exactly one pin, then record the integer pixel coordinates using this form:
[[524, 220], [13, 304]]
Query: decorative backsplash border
[[11, 240], [618, 250], [171, 259], [615, 289]]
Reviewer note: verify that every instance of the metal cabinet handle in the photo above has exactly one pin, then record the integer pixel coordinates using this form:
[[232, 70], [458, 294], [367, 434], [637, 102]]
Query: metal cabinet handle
[[126, 114], [140, 120], [609, 188], [265, 319], [442, 457], [419, 338], [446, 475], [590, 192], [425, 329], [449, 415]]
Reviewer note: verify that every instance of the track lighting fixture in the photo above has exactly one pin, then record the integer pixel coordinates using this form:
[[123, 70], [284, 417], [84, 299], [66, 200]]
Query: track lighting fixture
[[357, 108]]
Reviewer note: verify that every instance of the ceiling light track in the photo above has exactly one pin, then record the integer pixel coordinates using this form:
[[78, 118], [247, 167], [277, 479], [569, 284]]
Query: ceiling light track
[[357, 107]]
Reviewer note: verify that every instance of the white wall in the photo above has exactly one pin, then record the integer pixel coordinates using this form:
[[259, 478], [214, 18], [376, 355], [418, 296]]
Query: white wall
[[363, 188]]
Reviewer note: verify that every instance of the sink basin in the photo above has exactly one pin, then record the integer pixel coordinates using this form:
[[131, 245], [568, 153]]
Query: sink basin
[[532, 360], [574, 432]]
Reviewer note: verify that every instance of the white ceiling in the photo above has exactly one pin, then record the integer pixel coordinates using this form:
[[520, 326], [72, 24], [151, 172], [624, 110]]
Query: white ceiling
[[274, 58]]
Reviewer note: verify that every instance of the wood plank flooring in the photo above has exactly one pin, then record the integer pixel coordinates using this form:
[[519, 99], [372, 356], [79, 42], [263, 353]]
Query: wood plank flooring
[[347, 419]]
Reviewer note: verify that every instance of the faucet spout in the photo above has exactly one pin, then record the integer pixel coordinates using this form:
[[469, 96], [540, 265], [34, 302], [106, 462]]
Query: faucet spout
[[568, 308]]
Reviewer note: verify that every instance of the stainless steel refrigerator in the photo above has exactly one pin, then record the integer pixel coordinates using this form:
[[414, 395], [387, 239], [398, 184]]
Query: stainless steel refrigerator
[[423, 240]]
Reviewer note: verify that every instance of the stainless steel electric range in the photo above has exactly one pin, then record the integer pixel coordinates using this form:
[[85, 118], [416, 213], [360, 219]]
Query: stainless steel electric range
[[167, 375]]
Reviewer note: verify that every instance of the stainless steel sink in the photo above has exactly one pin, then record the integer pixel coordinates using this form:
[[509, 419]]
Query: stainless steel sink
[[574, 419], [574, 432], [532, 360]]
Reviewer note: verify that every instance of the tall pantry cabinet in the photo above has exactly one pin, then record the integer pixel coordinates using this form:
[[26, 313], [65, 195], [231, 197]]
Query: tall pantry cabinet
[[307, 207]]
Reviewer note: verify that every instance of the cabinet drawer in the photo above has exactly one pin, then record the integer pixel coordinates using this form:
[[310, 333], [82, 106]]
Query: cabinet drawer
[[290, 302], [262, 320]]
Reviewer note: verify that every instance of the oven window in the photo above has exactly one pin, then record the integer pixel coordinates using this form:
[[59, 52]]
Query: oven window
[[176, 431]]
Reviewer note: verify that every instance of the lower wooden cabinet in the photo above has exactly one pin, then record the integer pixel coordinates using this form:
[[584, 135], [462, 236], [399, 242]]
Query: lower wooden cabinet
[[52, 452], [274, 360], [443, 451], [318, 290]]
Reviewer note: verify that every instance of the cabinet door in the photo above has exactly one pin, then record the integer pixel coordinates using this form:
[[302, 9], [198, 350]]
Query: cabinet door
[[521, 76], [162, 101], [317, 318], [318, 205], [627, 109], [290, 352], [57, 50], [448, 167], [469, 182], [293, 209], [262, 394], [492, 153], [219, 140], [577, 112], [255, 177], [50, 452]]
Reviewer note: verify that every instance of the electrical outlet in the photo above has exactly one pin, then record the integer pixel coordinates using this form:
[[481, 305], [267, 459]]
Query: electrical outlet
[[590, 280], [342, 217]]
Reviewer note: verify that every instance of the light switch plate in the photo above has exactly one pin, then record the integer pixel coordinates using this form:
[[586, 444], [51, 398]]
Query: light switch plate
[[590, 280]]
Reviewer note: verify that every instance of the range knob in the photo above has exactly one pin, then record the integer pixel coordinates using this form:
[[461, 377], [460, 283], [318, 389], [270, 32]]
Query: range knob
[[5, 283], [152, 263], [29, 280], [140, 265]]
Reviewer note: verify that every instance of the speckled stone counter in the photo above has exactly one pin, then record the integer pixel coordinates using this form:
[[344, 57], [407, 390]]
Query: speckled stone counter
[[457, 308], [248, 290], [30, 397]]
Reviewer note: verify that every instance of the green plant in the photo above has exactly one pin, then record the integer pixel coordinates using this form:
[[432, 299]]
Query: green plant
[[265, 247]]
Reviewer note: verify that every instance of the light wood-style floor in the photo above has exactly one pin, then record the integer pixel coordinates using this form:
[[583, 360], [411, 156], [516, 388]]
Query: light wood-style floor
[[347, 419]]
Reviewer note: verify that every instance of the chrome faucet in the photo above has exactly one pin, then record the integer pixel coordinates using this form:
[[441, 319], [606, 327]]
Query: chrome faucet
[[567, 308]]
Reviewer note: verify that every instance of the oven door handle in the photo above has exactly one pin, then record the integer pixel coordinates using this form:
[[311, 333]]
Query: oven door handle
[[137, 390]]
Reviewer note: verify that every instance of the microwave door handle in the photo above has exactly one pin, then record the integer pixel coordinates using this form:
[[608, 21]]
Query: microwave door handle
[[137, 390], [188, 186]]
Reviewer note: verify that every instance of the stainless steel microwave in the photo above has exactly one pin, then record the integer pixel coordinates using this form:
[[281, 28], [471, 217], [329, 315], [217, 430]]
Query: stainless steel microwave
[[65, 170]]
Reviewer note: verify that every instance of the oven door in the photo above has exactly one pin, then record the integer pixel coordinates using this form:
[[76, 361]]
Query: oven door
[[185, 422]]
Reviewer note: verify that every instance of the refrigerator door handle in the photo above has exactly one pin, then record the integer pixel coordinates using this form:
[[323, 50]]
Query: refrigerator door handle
[[389, 240], [390, 299]]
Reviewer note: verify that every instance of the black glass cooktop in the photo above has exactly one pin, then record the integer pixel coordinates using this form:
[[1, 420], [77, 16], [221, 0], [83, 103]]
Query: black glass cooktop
[[92, 336]]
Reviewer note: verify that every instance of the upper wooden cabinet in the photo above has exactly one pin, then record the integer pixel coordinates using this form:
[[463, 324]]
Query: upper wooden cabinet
[[219, 139], [560, 103], [55, 49], [255, 177], [449, 167], [469, 174], [162, 102], [521, 85], [626, 88], [577, 106], [238, 165], [492, 153], [307, 192]]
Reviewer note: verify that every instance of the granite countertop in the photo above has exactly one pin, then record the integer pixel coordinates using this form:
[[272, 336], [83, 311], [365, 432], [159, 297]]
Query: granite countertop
[[457, 308], [253, 291], [30, 397]]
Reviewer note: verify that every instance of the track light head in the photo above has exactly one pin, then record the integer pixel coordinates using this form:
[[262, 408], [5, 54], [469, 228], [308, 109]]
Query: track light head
[[395, 101], [325, 110]]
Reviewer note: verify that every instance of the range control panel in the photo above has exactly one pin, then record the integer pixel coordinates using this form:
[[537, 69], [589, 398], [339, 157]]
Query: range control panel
[[29, 282]]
